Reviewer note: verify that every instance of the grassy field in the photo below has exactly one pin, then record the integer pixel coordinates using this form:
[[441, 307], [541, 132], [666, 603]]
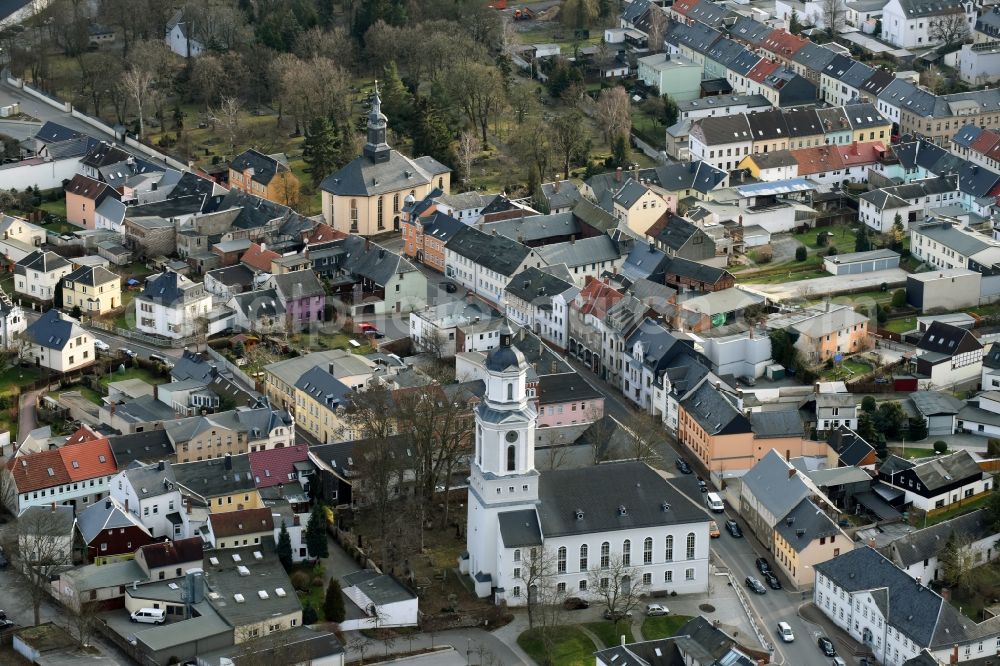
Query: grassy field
[[572, 647], [901, 325], [87, 393], [57, 207], [609, 635], [960, 509], [916, 452], [840, 236], [848, 369], [662, 626], [324, 341], [134, 373], [982, 594]]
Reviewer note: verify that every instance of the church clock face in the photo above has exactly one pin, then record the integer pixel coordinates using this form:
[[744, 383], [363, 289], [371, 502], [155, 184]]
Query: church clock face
[[511, 436]]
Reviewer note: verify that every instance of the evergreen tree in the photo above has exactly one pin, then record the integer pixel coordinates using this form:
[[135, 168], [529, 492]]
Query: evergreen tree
[[319, 150], [861, 240], [534, 182], [917, 429], [621, 152], [333, 605], [284, 547], [316, 542], [869, 405], [431, 135], [309, 614], [794, 25], [897, 234], [669, 110], [397, 102]]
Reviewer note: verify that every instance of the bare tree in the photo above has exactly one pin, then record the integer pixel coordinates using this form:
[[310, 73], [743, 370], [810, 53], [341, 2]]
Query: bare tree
[[958, 562], [535, 573], [647, 432], [43, 549], [227, 116], [617, 584], [657, 29], [477, 89], [138, 83], [614, 113], [598, 437], [950, 28], [568, 138], [834, 15], [84, 618], [932, 78], [469, 147]]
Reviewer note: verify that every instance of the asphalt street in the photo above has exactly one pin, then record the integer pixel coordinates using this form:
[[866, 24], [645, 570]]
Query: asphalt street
[[117, 342]]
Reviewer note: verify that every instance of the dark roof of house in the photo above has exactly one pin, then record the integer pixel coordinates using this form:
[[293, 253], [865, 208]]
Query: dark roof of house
[[51, 132], [724, 129], [51, 330], [673, 232], [536, 286], [265, 167], [946, 339], [992, 358], [803, 122], [922, 8], [370, 261], [805, 523], [173, 552], [857, 74], [878, 81], [364, 178], [642, 498], [235, 275], [104, 154], [145, 447], [496, 253], [766, 125], [440, 226], [814, 57], [783, 423], [946, 470], [533, 227], [912, 609], [725, 50], [935, 403], [715, 411], [696, 271], [216, 476], [838, 66], [323, 387], [105, 515], [260, 303], [749, 30], [41, 261], [930, 541], [298, 284], [561, 194], [744, 62], [565, 387], [849, 445], [91, 276]]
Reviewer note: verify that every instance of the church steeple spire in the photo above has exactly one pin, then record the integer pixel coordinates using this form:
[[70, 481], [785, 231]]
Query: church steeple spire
[[376, 149]]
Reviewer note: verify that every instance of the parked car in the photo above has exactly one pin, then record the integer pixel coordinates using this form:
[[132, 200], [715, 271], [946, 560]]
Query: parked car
[[617, 615], [365, 327], [713, 529], [772, 580], [575, 603], [656, 609], [702, 486], [6, 624], [734, 529], [127, 352], [837, 661], [785, 631], [755, 585], [449, 287], [101, 345], [762, 565], [682, 466], [162, 360], [149, 616], [826, 646]]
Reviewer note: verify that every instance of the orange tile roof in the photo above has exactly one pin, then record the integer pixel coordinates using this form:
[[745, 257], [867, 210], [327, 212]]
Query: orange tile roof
[[83, 434], [88, 460], [817, 159], [682, 7], [247, 521], [783, 43], [986, 140], [323, 233], [866, 152], [597, 297], [762, 70], [34, 471], [259, 258]]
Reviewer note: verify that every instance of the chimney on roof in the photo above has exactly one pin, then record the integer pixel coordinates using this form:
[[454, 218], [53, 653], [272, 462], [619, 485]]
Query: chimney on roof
[[871, 542], [791, 472], [126, 505], [187, 505], [53, 507], [161, 466], [618, 175], [229, 461], [281, 490]]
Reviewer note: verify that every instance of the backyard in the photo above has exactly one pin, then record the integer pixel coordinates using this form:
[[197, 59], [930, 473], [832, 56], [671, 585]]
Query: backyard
[[663, 626], [133, 373], [571, 647], [848, 369], [983, 594]]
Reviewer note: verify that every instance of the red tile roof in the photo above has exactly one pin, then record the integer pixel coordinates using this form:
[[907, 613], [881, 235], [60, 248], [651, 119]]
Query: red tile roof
[[783, 43], [83, 434], [322, 233], [165, 554], [271, 468], [88, 460], [867, 152], [35, 471], [682, 7], [248, 521], [259, 258], [986, 140], [597, 297], [762, 70], [817, 159]]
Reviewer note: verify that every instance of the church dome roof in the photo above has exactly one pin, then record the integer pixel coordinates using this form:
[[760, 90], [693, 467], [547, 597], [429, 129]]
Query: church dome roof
[[504, 355]]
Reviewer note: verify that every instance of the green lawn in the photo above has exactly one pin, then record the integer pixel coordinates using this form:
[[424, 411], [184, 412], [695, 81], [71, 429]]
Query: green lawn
[[608, 634], [960, 509], [88, 393], [848, 369], [11, 377], [57, 207], [917, 452], [571, 647], [324, 341], [842, 238], [134, 373], [901, 325], [663, 626]]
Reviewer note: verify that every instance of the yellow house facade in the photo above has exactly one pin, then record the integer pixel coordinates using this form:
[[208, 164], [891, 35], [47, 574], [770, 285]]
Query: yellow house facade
[[367, 195], [804, 538], [94, 289]]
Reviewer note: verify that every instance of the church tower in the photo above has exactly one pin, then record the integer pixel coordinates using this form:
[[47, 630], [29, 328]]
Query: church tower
[[376, 149], [503, 476]]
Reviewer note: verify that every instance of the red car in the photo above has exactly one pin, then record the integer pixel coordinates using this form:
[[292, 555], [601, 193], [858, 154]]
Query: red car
[[365, 327]]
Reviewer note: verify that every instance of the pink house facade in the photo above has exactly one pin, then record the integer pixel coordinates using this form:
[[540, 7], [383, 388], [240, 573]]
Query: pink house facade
[[567, 399]]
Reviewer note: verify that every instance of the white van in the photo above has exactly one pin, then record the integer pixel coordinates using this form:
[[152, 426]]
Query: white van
[[714, 502], [149, 616]]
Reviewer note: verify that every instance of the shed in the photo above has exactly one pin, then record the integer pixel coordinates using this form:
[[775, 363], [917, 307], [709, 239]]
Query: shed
[[938, 409], [861, 262], [755, 235]]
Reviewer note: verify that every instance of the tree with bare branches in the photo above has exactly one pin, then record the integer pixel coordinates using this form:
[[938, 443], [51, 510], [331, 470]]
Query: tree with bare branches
[[614, 113], [85, 618], [617, 584], [227, 117], [469, 147], [657, 29], [949, 29], [138, 82], [44, 548], [647, 432], [834, 13]]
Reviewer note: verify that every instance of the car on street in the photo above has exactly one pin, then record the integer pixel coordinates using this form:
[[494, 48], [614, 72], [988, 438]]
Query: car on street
[[617, 615], [785, 631], [449, 287], [101, 345], [702, 486], [837, 661], [128, 352], [734, 529], [656, 609], [713, 529], [772, 580], [826, 646], [755, 585], [6, 624], [682, 466], [762, 565], [575, 603]]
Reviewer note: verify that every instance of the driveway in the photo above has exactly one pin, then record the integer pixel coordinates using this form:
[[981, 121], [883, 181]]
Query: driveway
[[27, 414]]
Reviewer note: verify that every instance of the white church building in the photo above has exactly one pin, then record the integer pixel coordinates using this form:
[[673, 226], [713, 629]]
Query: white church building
[[583, 519]]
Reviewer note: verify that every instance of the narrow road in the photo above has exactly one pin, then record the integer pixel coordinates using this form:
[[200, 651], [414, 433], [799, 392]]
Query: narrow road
[[27, 416]]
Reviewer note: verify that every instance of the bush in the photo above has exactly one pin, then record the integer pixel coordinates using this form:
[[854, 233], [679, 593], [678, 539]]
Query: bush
[[317, 581], [764, 256], [333, 605], [801, 253], [884, 286], [993, 447], [832, 252], [899, 298], [822, 239], [309, 614], [300, 581], [940, 446], [882, 316]]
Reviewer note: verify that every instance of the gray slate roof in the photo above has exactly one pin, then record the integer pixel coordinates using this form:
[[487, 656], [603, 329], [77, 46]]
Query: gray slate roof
[[784, 423], [935, 403], [52, 331], [805, 523], [519, 528], [648, 500], [298, 284], [106, 515], [929, 542], [772, 484], [496, 253], [364, 178], [565, 387], [595, 249]]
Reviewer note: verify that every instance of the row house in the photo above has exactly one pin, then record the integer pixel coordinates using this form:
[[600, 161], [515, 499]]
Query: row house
[[540, 302], [910, 202], [150, 496], [425, 235], [586, 315], [485, 263], [909, 24], [978, 145]]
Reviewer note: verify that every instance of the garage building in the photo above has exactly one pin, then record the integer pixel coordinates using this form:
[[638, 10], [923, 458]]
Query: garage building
[[861, 262]]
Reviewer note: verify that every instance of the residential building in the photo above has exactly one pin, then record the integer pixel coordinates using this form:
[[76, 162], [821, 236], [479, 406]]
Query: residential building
[[385, 601], [937, 410], [108, 529], [46, 535], [935, 483], [426, 230], [567, 399], [180, 38], [353, 370], [697, 640], [875, 602], [948, 355], [259, 311], [712, 426], [320, 401], [265, 176], [38, 274], [910, 202], [239, 529], [94, 289], [825, 331], [514, 508], [540, 301], [366, 195], [587, 257], [638, 206], [149, 494], [805, 537], [219, 484], [484, 264], [83, 196], [943, 245], [911, 23], [919, 554], [171, 305], [368, 278], [673, 75], [848, 449], [302, 296], [150, 235], [721, 141], [57, 341]]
